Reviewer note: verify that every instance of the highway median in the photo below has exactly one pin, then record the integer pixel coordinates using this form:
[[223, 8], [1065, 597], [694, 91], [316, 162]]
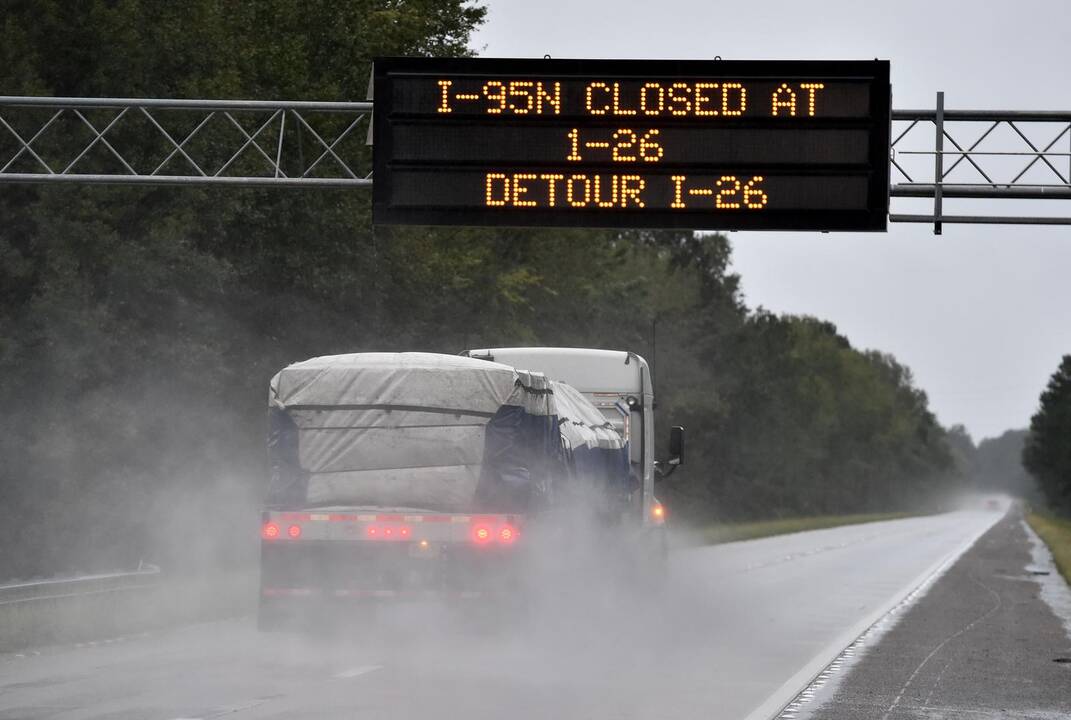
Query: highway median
[[716, 534]]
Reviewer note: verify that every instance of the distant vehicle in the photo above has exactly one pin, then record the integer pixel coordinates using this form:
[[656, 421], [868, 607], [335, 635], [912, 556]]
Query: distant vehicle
[[408, 475]]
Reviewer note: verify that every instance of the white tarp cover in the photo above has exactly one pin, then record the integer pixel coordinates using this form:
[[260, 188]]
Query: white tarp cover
[[419, 380], [397, 429], [581, 422]]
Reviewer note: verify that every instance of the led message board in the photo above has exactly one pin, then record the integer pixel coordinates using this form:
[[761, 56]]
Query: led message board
[[718, 145]]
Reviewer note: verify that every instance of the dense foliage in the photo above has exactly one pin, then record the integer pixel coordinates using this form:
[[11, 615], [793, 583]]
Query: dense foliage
[[1047, 452], [139, 328], [997, 466]]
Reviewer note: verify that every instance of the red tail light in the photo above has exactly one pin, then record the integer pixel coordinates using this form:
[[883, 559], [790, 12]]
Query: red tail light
[[387, 532], [294, 531], [484, 534], [270, 531]]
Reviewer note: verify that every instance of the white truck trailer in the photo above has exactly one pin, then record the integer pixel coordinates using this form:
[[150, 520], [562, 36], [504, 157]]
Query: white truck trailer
[[408, 475]]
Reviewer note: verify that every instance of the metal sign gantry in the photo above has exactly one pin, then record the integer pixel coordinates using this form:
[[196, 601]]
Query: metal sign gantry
[[980, 155], [184, 142], [1017, 157]]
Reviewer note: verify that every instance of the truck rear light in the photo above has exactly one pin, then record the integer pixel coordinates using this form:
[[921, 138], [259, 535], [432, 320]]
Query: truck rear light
[[387, 532], [269, 531], [294, 531], [482, 534]]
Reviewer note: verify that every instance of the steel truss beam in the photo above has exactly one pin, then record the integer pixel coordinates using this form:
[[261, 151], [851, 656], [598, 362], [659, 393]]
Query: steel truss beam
[[184, 142], [969, 155], [980, 155]]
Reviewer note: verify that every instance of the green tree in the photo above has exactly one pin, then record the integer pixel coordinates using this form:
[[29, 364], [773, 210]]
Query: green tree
[[998, 466], [138, 327], [1047, 452], [805, 424]]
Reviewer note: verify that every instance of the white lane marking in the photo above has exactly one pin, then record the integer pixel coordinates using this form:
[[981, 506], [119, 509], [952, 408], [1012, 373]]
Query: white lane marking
[[831, 674], [355, 671], [782, 699], [232, 709]]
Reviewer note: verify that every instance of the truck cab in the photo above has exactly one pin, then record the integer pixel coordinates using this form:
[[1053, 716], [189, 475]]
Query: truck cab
[[618, 383]]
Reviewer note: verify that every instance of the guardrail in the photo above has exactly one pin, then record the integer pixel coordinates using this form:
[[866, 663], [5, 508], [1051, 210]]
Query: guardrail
[[78, 586], [91, 608], [86, 607]]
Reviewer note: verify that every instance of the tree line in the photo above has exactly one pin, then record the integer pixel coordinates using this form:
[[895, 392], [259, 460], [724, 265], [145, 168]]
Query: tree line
[[139, 327], [1046, 451]]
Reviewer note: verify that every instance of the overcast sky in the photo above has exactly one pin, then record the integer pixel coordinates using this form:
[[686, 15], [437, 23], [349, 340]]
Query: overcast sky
[[981, 314]]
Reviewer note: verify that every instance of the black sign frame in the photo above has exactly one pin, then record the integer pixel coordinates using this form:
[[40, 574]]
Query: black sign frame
[[877, 125]]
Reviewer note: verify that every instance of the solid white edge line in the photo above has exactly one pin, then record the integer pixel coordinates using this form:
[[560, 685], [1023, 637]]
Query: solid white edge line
[[787, 692], [356, 671]]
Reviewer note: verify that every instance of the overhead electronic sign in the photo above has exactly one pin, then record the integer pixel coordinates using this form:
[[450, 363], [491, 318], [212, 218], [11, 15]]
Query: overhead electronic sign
[[720, 145]]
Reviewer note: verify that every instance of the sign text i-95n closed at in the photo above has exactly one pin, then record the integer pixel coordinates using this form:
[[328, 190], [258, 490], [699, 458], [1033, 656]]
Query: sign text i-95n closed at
[[720, 145]]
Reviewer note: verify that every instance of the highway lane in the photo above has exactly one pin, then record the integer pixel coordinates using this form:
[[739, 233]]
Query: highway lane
[[739, 629]]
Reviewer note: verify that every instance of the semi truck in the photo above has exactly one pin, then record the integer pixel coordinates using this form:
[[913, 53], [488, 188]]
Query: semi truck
[[399, 476]]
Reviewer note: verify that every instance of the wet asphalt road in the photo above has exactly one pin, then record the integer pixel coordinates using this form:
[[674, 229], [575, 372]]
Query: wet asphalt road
[[737, 632], [982, 643]]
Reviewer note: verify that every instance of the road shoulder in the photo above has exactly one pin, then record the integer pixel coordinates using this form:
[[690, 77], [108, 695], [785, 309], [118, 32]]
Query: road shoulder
[[980, 643]]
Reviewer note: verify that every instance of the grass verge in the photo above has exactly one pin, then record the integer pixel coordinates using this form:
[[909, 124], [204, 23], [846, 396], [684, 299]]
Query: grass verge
[[1056, 532], [729, 532]]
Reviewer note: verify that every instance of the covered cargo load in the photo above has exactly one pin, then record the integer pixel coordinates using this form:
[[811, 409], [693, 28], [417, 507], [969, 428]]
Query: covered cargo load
[[596, 453], [431, 432]]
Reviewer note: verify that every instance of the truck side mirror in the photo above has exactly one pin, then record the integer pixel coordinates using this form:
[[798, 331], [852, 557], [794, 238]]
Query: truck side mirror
[[676, 445]]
